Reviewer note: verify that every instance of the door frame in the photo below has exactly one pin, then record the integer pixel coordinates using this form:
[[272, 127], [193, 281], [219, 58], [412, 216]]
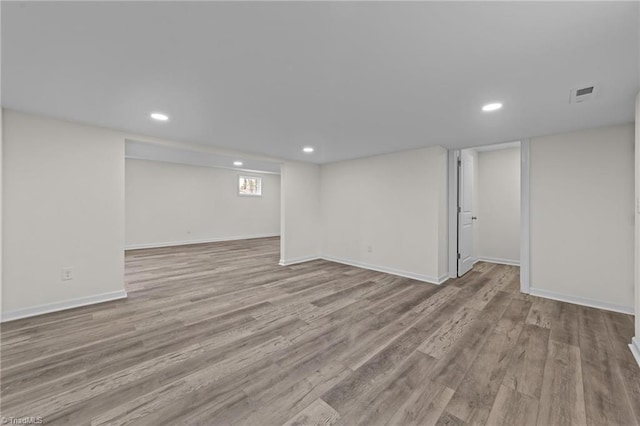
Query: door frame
[[525, 250]]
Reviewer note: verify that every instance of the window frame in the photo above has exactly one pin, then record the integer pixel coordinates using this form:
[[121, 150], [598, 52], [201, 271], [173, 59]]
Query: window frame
[[240, 194]]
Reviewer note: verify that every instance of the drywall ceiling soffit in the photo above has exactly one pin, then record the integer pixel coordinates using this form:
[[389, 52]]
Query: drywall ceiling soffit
[[138, 150]]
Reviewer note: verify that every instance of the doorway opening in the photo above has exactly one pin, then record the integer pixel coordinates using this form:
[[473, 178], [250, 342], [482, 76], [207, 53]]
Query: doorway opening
[[488, 205]]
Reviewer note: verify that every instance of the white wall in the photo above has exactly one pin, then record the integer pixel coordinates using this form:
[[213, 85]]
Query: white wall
[[441, 179], [476, 178], [498, 211], [636, 339], [394, 204], [167, 203], [300, 206], [1, 208], [63, 206], [582, 220]]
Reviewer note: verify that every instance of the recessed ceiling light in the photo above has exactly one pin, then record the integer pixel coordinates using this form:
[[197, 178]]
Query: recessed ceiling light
[[159, 116], [492, 107], [308, 149], [237, 163]]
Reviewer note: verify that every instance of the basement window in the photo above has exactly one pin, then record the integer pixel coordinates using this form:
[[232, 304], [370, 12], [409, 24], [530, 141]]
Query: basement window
[[250, 186]]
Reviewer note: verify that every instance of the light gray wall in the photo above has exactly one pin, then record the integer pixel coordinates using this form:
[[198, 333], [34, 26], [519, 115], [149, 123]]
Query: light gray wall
[[300, 219], [1, 207], [167, 203], [388, 212], [498, 195], [582, 218], [637, 229], [441, 177], [63, 205], [476, 179]]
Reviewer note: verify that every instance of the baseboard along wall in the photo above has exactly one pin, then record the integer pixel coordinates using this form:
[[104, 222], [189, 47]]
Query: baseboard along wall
[[511, 262], [199, 241], [419, 277], [62, 306], [583, 301]]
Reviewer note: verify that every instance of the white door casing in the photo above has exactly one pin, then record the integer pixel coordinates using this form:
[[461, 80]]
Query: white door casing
[[465, 213], [454, 187]]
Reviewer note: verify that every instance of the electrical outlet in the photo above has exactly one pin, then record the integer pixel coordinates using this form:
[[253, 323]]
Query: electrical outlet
[[67, 274], [370, 249]]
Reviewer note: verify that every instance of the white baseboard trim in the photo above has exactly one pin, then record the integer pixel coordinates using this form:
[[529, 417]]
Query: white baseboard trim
[[392, 271], [497, 260], [443, 278], [64, 305], [635, 349], [200, 241], [576, 300], [425, 278], [288, 262]]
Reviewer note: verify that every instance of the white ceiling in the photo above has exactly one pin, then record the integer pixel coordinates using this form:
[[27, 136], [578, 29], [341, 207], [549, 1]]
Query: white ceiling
[[350, 79]]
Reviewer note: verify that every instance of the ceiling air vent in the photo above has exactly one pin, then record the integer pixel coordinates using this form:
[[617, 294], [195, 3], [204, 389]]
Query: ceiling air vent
[[582, 94]]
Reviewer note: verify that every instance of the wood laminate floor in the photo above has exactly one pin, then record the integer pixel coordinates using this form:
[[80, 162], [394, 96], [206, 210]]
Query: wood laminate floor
[[219, 334]]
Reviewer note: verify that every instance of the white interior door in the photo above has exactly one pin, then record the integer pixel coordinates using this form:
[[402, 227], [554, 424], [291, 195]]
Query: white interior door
[[465, 213]]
